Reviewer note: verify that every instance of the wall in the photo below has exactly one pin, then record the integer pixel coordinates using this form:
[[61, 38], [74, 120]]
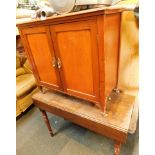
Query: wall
[[129, 54]]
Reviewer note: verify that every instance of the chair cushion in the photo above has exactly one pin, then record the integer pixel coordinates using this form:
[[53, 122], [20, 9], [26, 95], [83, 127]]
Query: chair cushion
[[23, 103], [17, 62], [27, 66], [24, 83], [20, 71], [18, 110]]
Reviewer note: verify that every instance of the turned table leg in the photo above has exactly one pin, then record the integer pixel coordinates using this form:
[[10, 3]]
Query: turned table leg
[[117, 148], [47, 122]]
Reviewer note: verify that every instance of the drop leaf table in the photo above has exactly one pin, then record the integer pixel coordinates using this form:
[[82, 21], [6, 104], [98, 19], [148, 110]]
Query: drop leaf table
[[115, 124]]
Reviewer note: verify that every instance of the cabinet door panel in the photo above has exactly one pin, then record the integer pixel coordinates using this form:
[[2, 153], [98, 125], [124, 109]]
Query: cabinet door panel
[[41, 51], [76, 46]]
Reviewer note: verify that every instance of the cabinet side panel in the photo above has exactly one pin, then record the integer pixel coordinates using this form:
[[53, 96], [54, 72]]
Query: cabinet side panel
[[111, 50], [100, 25]]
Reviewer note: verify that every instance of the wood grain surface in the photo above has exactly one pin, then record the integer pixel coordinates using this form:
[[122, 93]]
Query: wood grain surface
[[76, 46], [40, 49], [111, 50], [115, 124]]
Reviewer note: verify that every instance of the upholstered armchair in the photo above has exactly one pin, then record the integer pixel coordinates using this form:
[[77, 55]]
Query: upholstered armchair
[[25, 85]]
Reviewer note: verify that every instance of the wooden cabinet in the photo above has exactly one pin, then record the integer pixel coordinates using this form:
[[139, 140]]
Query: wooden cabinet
[[76, 54]]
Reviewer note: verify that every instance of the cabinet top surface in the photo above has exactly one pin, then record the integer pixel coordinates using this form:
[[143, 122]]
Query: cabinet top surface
[[68, 16]]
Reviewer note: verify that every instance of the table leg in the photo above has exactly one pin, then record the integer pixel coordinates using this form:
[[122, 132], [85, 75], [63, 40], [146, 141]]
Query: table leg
[[47, 122], [117, 148]]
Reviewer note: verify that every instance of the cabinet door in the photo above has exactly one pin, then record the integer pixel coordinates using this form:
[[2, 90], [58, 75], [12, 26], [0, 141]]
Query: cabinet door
[[40, 50], [76, 49]]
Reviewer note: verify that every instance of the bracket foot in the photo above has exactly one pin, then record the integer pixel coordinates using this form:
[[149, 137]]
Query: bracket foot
[[116, 90]]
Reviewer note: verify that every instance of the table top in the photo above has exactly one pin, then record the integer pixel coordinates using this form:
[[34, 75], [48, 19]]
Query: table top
[[119, 109]]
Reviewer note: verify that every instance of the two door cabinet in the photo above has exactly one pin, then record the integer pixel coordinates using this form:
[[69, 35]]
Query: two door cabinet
[[76, 53]]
